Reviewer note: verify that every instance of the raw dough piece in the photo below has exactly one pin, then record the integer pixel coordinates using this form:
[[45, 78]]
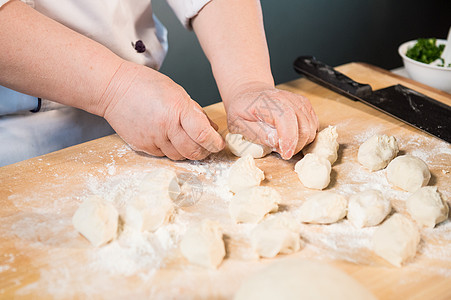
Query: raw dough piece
[[325, 145], [96, 219], [323, 208], [251, 205], [161, 181], [276, 234], [427, 207], [244, 174], [203, 244], [153, 205], [368, 208], [313, 171], [396, 240], [376, 152], [241, 147], [408, 173], [294, 279]]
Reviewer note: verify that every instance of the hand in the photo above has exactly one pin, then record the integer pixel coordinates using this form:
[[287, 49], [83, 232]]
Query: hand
[[155, 115], [265, 115]]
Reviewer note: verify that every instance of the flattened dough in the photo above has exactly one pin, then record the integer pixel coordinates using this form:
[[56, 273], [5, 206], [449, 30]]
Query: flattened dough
[[325, 145], [244, 174], [203, 244], [376, 152], [408, 173], [323, 208], [368, 208], [427, 207], [96, 219], [242, 147], [278, 234], [313, 171], [396, 240], [294, 279], [251, 205]]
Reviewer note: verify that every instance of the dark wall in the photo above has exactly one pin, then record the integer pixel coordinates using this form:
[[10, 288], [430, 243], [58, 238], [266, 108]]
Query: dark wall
[[336, 32]]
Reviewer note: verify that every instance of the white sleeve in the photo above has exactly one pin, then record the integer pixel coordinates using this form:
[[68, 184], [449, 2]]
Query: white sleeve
[[2, 2], [186, 9], [28, 2]]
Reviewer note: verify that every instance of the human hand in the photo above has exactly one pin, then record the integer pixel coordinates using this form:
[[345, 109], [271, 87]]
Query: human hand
[[155, 115], [266, 115]]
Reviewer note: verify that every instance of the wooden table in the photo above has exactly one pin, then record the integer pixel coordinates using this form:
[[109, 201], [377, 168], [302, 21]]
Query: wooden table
[[42, 256]]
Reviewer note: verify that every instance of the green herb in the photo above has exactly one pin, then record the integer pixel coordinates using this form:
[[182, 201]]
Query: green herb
[[425, 51]]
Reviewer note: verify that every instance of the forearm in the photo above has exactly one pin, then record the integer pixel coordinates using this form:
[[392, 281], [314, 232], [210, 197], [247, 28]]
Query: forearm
[[232, 36], [41, 57]]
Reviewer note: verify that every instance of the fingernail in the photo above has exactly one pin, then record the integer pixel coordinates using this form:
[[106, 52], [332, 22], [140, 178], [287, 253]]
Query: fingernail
[[289, 154]]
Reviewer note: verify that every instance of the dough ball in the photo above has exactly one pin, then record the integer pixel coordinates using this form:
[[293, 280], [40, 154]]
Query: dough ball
[[251, 205], [241, 147], [244, 174], [368, 208], [96, 219], [376, 152], [276, 234], [160, 181], [313, 171], [294, 279], [323, 208], [427, 207], [396, 240], [203, 244], [153, 205], [147, 212], [408, 173], [325, 144]]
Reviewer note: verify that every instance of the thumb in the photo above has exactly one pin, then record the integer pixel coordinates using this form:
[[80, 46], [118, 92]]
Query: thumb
[[197, 125]]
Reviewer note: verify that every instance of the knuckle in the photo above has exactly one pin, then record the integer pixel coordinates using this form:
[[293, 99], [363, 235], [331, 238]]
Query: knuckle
[[203, 135], [197, 153]]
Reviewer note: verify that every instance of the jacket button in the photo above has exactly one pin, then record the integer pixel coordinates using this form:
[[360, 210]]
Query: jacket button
[[139, 46]]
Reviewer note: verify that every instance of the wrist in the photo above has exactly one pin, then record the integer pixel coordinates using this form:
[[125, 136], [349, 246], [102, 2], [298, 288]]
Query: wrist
[[118, 84]]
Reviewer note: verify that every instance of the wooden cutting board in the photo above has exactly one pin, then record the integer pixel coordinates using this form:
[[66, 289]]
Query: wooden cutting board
[[42, 256]]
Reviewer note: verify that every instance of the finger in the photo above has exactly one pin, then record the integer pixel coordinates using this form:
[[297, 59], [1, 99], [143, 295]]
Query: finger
[[149, 149], [197, 126], [169, 150], [284, 119], [256, 132], [186, 146], [306, 131]]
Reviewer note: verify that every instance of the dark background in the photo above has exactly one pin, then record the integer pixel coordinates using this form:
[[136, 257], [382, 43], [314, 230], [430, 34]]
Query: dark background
[[335, 31]]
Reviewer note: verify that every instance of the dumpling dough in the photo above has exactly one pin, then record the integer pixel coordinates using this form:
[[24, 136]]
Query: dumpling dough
[[408, 173], [313, 171], [325, 145], [203, 244], [376, 152], [153, 205], [276, 234], [251, 205], [323, 208], [396, 240], [241, 147], [368, 208], [244, 174], [427, 207], [294, 279], [96, 219]]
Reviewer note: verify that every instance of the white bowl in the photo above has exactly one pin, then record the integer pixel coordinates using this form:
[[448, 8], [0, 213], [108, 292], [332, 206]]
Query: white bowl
[[438, 77]]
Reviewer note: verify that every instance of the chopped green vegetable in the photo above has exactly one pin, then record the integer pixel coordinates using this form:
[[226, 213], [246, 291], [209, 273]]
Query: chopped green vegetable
[[425, 51]]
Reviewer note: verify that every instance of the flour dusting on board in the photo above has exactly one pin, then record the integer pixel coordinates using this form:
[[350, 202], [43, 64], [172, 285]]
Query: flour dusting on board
[[132, 262]]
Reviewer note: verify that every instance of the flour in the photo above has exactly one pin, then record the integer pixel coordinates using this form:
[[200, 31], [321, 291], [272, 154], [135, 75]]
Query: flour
[[130, 266]]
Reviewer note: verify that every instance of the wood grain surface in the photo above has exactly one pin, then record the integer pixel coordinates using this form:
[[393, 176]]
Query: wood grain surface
[[42, 256]]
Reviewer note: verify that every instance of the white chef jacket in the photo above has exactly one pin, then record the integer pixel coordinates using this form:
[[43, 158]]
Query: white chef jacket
[[118, 25]]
